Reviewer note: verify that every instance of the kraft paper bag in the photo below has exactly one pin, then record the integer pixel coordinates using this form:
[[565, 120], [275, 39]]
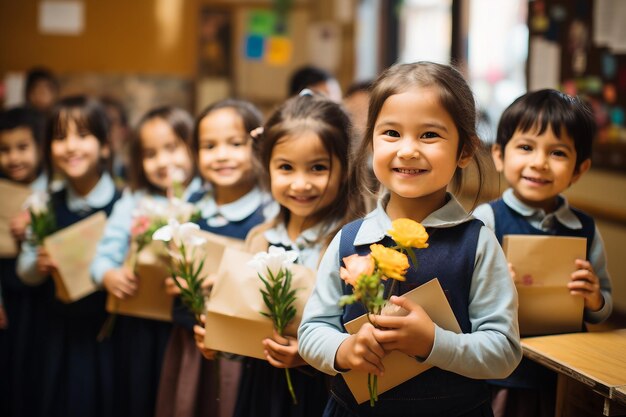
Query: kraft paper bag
[[153, 268], [150, 301], [543, 266], [73, 250], [13, 197], [398, 366], [234, 322]]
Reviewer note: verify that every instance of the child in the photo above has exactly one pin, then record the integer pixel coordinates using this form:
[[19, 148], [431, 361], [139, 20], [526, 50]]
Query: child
[[421, 130], [76, 368], [304, 152], [161, 146], [543, 146], [21, 135], [230, 205]]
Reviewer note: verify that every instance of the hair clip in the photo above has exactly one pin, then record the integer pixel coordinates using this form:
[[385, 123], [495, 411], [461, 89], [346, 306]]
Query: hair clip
[[306, 92], [256, 132]]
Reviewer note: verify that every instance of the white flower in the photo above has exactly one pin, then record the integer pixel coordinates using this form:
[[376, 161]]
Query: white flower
[[180, 234], [273, 260], [37, 202], [180, 210], [176, 175]]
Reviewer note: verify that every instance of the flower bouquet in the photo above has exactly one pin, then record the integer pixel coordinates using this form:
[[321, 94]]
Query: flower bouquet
[[183, 242], [273, 270], [367, 274], [42, 219]]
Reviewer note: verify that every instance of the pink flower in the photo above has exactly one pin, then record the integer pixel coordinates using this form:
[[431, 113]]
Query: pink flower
[[355, 267], [140, 225]]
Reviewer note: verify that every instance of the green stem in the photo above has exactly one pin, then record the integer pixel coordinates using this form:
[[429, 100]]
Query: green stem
[[290, 386]]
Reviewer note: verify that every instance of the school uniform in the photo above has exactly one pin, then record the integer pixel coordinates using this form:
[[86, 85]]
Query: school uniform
[[470, 265], [138, 343], [509, 215], [18, 367], [263, 390], [190, 385], [76, 369]]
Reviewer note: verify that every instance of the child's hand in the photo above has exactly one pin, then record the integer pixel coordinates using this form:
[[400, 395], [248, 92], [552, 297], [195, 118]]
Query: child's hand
[[198, 335], [207, 284], [171, 288], [413, 334], [4, 321], [282, 352], [361, 351], [45, 264], [19, 224], [512, 272], [585, 282], [121, 283]]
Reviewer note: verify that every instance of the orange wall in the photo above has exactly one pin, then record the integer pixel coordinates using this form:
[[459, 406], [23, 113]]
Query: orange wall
[[120, 36]]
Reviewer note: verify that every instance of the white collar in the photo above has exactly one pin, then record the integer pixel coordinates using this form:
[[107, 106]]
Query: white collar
[[97, 198], [232, 212], [563, 213], [377, 223], [278, 236]]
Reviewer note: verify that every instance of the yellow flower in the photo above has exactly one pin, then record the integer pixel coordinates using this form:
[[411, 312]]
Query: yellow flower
[[355, 267], [391, 263], [408, 233]]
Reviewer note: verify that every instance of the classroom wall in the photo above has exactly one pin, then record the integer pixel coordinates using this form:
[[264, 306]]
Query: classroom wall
[[120, 36]]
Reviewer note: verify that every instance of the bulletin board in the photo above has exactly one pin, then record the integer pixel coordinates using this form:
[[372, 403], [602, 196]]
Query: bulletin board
[[588, 40], [267, 50]]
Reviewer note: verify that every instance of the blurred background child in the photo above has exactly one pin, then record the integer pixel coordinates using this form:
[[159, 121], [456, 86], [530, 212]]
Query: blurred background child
[[160, 147], [543, 146], [21, 137], [230, 204], [42, 89], [76, 370]]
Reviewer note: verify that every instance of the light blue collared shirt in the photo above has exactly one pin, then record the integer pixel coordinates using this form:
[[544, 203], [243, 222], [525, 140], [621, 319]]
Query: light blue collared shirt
[[541, 220], [308, 245], [491, 350], [98, 197]]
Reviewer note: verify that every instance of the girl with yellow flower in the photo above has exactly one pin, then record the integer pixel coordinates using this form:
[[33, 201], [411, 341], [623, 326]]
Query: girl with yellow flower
[[421, 134]]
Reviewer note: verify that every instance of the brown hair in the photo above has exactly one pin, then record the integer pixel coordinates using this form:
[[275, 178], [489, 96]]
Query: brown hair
[[455, 96], [331, 124], [181, 123]]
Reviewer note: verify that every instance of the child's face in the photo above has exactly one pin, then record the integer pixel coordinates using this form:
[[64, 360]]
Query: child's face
[[415, 146], [225, 151], [301, 177], [19, 157], [539, 167], [77, 155], [163, 153]]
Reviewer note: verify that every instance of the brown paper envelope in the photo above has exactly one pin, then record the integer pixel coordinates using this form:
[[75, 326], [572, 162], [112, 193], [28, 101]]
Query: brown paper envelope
[[546, 306], [236, 294], [214, 248], [548, 310], [549, 260], [151, 301], [73, 249], [398, 366], [236, 335], [13, 197]]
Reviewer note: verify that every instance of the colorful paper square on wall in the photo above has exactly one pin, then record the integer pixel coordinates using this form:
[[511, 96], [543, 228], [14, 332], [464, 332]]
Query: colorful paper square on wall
[[279, 50], [255, 46]]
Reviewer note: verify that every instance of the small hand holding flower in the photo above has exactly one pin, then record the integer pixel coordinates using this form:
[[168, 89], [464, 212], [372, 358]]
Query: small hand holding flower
[[361, 351], [413, 334], [120, 282], [198, 335], [586, 283], [19, 224], [282, 351], [45, 264]]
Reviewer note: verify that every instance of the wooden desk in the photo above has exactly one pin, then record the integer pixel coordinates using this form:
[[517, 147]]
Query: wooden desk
[[591, 362], [619, 395]]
